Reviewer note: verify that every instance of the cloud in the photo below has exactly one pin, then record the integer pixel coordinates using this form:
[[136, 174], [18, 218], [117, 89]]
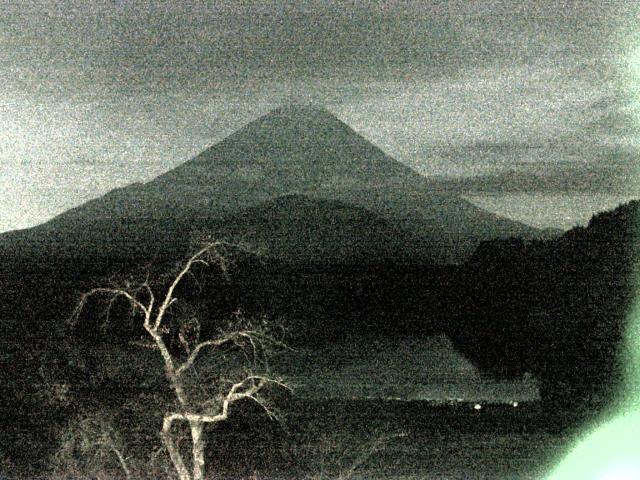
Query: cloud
[[107, 93], [169, 46], [614, 121], [607, 171]]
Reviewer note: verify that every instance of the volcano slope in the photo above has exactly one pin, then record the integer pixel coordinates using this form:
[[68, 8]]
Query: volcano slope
[[298, 150]]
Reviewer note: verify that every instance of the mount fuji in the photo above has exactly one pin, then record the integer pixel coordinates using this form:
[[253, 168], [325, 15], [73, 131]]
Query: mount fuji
[[292, 180]]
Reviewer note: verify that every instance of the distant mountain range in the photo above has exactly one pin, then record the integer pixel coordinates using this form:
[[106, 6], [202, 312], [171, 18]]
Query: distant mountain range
[[297, 183]]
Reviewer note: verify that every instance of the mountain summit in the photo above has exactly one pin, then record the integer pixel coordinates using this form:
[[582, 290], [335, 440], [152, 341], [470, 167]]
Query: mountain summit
[[294, 150], [297, 149]]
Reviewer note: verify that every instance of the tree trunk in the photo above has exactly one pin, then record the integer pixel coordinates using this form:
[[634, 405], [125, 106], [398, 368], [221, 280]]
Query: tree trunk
[[174, 452], [198, 450]]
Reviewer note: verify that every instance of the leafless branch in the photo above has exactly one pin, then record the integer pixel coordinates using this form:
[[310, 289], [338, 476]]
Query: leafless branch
[[115, 293], [169, 298], [238, 391], [215, 343], [143, 344], [374, 447]]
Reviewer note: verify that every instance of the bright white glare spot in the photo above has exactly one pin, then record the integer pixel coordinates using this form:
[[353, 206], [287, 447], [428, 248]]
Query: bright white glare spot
[[610, 452], [515, 404], [477, 406], [624, 471]]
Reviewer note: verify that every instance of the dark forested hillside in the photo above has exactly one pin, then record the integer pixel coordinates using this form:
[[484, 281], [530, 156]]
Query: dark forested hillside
[[555, 308]]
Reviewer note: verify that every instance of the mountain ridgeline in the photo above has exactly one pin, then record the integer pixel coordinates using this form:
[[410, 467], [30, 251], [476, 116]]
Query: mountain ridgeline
[[303, 153]]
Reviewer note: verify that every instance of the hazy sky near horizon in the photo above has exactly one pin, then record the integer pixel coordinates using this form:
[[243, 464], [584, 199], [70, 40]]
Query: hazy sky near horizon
[[528, 108]]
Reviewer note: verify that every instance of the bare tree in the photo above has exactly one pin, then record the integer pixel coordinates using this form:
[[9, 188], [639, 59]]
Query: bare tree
[[196, 405], [337, 463], [92, 436]]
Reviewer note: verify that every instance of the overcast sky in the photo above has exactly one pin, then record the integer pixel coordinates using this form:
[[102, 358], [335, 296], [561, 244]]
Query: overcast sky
[[529, 108]]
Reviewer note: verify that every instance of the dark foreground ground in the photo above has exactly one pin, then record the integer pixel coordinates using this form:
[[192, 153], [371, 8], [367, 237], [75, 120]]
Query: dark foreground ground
[[372, 439], [414, 440]]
